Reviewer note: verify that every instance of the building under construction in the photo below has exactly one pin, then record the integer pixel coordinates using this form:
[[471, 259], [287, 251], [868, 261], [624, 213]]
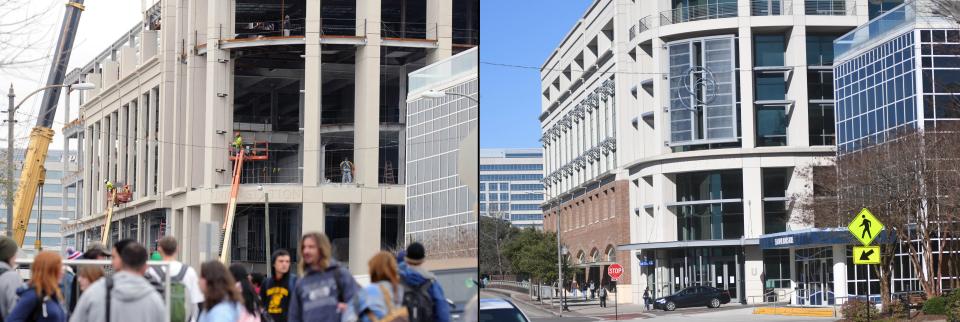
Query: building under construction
[[309, 94]]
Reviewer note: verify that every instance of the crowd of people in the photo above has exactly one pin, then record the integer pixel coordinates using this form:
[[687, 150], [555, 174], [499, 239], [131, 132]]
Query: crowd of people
[[322, 290]]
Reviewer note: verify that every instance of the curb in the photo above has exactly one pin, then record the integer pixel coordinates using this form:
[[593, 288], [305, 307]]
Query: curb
[[511, 295]]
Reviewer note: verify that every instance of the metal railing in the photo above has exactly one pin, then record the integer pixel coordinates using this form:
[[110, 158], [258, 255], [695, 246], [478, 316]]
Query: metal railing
[[406, 30], [698, 12], [270, 28], [771, 8], [646, 23], [268, 174], [829, 7]]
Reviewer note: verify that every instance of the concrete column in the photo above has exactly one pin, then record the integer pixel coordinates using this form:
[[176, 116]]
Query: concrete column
[[103, 137], [667, 192], [151, 143], [839, 271], [114, 146], [753, 268], [131, 144], [312, 100], [793, 275], [313, 217], [122, 134], [798, 121], [210, 221], [141, 117], [367, 98], [439, 27], [218, 97], [87, 158], [748, 126], [364, 221], [752, 199]]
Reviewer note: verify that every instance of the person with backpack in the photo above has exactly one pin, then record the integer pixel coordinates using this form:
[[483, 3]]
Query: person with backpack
[[326, 292], [185, 295], [40, 300], [276, 290], [384, 296], [602, 294], [124, 295], [10, 280], [423, 296], [250, 310], [221, 296]]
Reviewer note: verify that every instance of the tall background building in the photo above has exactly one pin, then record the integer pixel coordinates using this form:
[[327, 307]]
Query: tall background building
[[311, 85], [511, 186], [676, 131], [57, 204]]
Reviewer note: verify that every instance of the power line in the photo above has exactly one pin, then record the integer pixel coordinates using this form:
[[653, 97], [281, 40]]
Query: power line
[[615, 72]]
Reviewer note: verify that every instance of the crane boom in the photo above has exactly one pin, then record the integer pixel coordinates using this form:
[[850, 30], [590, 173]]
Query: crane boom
[[42, 134]]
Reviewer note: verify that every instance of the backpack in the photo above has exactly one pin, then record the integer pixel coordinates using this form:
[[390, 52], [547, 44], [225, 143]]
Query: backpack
[[178, 293], [418, 302], [394, 314]]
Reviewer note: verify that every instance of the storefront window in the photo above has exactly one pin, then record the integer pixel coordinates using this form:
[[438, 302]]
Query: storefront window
[[776, 269]]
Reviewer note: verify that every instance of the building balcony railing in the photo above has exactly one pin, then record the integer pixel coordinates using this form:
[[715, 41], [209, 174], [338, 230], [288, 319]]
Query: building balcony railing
[[266, 174], [646, 23], [699, 12], [406, 30], [829, 7], [771, 8]]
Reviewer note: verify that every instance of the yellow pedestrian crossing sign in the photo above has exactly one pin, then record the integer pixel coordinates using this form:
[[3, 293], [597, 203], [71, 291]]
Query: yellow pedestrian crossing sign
[[866, 255], [865, 227]]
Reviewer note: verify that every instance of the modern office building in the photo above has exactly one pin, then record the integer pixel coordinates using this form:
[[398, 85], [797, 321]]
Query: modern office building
[[675, 133], [511, 186], [438, 201], [899, 71], [316, 87], [55, 204]]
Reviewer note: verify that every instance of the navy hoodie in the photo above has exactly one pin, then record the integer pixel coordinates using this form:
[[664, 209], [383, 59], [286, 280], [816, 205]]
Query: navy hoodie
[[28, 302], [416, 276]]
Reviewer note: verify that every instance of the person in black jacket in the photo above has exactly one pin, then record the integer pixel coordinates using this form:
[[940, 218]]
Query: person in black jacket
[[277, 288]]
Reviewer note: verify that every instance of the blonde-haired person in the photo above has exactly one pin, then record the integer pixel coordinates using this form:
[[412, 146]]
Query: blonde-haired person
[[87, 274], [384, 294], [40, 299], [326, 292]]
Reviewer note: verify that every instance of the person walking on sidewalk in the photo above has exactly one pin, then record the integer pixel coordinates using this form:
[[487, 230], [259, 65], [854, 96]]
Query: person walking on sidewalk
[[646, 298], [593, 290], [574, 287], [602, 294]]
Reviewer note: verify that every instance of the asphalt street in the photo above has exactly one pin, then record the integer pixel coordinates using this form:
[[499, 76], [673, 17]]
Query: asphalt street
[[534, 313]]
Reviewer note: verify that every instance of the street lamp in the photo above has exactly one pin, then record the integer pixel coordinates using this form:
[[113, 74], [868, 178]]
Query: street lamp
[[440, 94], [11, 109], [561, 251]]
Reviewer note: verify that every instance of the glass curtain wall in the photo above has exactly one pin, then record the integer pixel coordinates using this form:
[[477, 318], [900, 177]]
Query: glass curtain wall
[[709, 205], [770, 91]]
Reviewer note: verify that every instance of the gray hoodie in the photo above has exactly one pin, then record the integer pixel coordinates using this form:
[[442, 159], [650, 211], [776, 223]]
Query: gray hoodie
[[10, 281], [132, 299]]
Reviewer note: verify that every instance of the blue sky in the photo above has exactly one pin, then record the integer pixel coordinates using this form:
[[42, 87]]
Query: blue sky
[[518, 32]]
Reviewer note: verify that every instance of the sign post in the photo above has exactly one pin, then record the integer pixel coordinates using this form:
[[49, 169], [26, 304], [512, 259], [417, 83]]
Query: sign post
[[615, 271]]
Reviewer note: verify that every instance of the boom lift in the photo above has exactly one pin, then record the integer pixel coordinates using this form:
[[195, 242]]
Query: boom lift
[[258, 151], [42, 134]]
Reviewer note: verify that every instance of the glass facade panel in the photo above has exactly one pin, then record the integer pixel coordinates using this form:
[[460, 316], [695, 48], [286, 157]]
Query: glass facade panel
[[776, 269], [822, 126], [722, 219], [820, 49], [771, 126], [770, 87], [768, 50], [702, 91]]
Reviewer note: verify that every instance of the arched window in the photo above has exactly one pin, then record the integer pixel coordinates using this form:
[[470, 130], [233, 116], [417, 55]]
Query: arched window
[[580, 258], [595, 255], [611, 254]]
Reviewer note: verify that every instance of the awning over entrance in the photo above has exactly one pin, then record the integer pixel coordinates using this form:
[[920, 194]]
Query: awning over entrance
[[690, 243], [812, 237]]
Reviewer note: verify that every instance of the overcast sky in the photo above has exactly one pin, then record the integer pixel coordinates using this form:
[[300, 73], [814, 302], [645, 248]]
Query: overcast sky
[[101, 24]]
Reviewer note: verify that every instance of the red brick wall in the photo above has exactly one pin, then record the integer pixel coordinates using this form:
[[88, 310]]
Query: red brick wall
[[580, 230]]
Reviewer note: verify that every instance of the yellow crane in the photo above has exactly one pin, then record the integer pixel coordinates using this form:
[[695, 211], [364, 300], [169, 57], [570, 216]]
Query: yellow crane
[[40, 137]]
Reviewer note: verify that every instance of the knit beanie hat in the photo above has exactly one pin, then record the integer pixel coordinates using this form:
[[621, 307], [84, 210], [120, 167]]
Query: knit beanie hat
[[415, 254], [8, 248]]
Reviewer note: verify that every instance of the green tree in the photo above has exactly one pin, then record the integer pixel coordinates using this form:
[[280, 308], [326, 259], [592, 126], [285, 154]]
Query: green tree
[[534, 253], [495, 234]]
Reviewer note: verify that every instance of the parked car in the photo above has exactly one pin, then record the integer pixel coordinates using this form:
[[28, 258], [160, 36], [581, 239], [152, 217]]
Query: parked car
[[500, 310], [693, 296]]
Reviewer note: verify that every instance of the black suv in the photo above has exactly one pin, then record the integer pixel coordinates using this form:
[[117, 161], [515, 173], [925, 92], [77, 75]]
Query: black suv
[[693, 296]]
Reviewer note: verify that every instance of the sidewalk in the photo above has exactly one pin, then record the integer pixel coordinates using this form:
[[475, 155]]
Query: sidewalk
[[580, 307]]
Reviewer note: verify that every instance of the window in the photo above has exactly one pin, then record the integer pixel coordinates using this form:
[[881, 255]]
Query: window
[[483, 197], [504, 187], [775, 182], [770, 87], [493, 187], [822, 130], [709, 185], [820, 84], [504, 197], [511, 167], [517, 207], [526, 187], [768, 50], [702, 91], [771, 125], [820, 50], [483, 186], [526, 217], [532, 196], [776, 268], [879, 7], [721, 219]]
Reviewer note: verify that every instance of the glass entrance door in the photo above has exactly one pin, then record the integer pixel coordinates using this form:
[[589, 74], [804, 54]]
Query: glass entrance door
[[814, 276]]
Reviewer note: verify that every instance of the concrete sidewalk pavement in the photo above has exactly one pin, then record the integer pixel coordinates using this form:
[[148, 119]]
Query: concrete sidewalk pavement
[[579, 306]]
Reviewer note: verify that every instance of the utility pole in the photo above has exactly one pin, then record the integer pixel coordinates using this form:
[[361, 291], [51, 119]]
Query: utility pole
[[10, 110], [266, 238]]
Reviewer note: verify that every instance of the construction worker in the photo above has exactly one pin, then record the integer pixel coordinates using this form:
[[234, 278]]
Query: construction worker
[[238, 142], [109, 185], [347, 170]]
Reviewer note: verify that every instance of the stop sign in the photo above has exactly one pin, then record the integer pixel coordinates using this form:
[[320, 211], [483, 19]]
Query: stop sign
[[615, 271]]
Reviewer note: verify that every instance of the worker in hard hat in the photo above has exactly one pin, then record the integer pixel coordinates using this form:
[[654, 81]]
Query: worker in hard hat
[[238, 142], [109, 185]]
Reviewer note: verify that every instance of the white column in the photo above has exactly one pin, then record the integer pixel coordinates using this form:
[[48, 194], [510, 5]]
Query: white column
[[312, 99], [839, 271], [439, 27], [122, 133], [103, 155], [87, 158], [367, 98], [793, 276], [151, 143], [364, 221], [747, 109], [752, 200], [798, 123]]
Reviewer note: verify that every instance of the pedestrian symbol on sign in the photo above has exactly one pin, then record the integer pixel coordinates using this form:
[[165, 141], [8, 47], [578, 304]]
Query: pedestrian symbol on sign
[[865, 227]]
